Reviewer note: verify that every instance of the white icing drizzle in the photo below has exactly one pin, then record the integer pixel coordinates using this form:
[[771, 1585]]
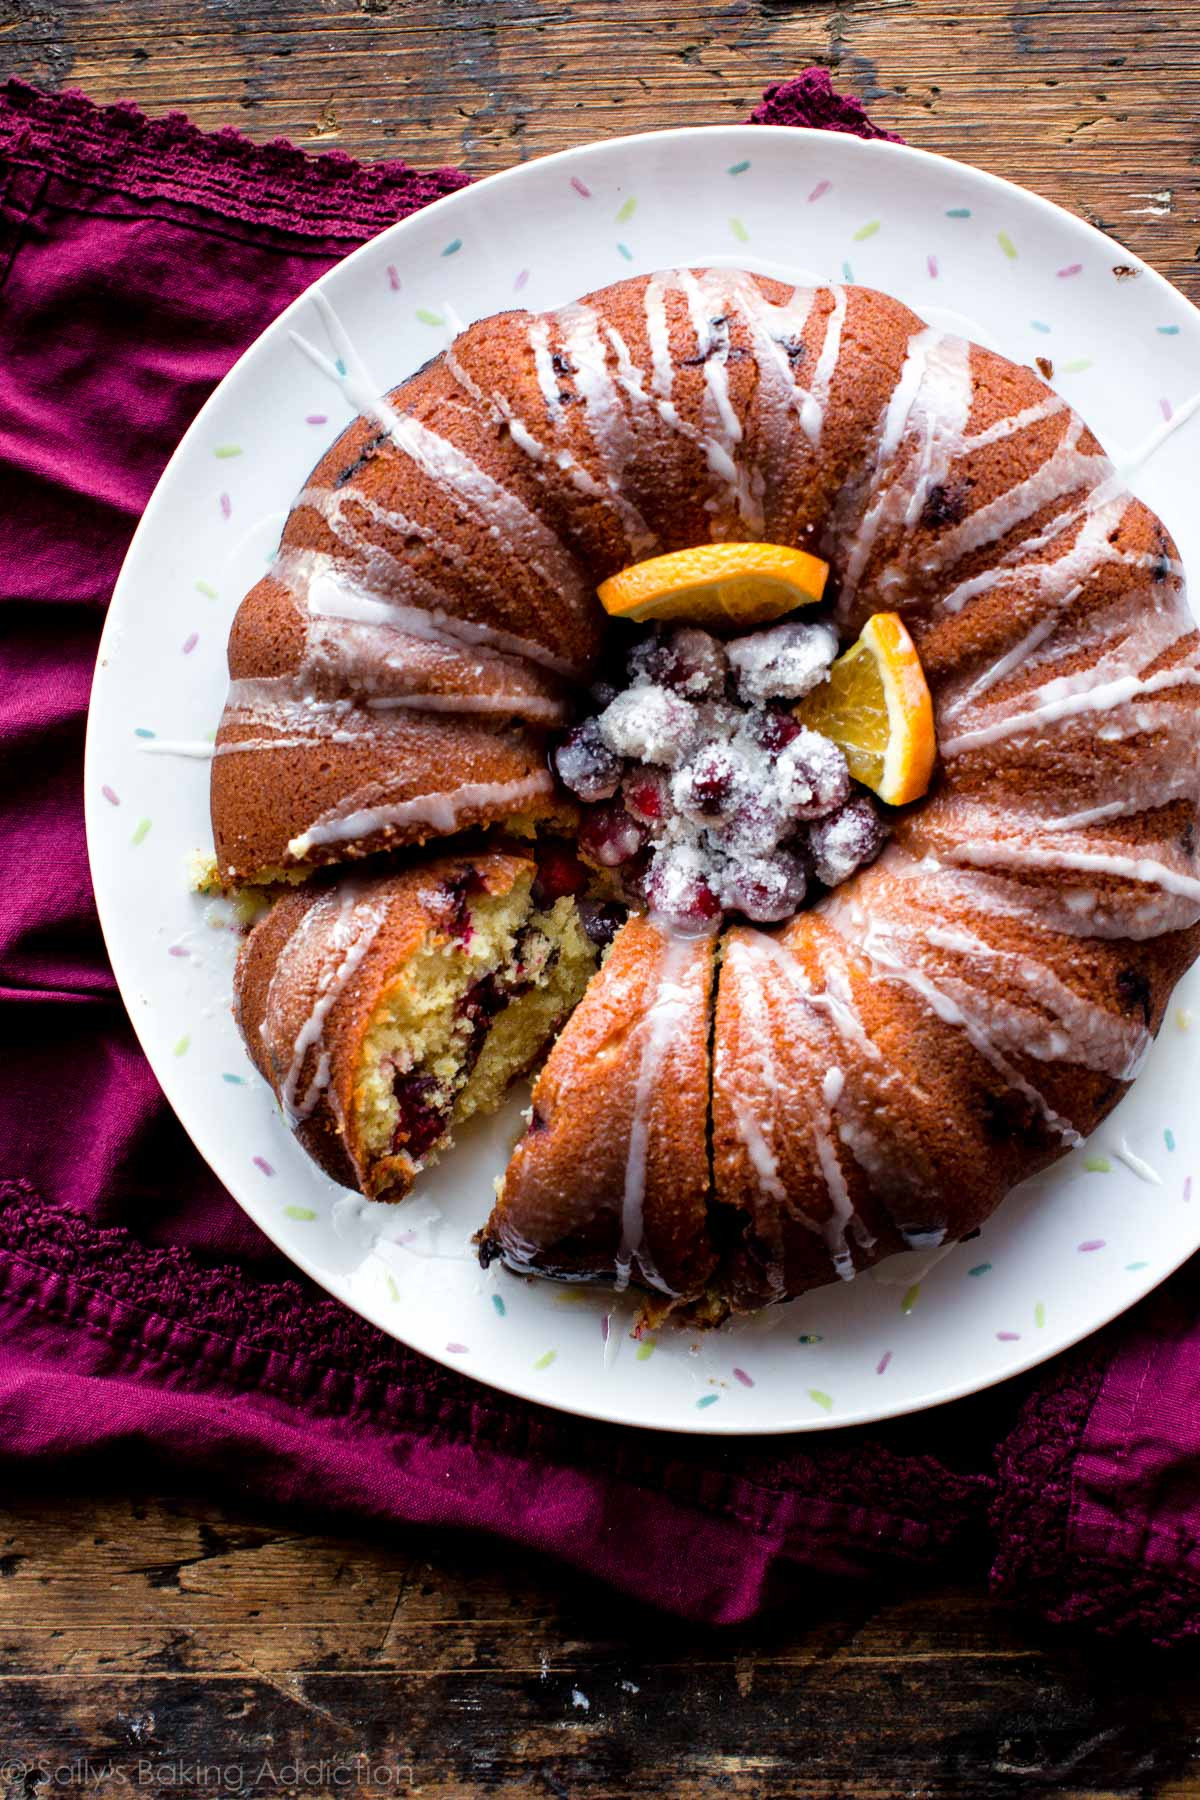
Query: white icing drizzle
[[672, 1002], [1068, 697], [1128, 868], [816, 402], [501, 512], [341, 944], [439, 811]]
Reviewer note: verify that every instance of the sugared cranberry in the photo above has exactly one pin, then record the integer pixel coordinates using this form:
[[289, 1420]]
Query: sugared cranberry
[[705, 787], [586, 765], [647, 795], [559, 872], [755, 827], [771, 729], [679, 893], [650, 725], [764, 889], [601, 920], [811, 776], [611, 836], [782, 663], [846, 840]]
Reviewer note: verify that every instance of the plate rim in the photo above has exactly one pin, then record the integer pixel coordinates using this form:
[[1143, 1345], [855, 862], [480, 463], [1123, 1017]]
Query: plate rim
[[707, 1425]]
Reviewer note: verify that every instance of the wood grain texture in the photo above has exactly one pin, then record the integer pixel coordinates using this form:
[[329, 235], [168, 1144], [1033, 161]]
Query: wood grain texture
[[175, 1634], [172, 1634], [1093, 103]]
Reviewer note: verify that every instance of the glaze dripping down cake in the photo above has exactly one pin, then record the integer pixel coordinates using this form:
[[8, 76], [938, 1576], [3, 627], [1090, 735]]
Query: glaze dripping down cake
[[731, 1116]]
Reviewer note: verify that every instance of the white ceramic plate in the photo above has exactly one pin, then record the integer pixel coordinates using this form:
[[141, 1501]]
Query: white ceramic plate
[[1066, 1252]]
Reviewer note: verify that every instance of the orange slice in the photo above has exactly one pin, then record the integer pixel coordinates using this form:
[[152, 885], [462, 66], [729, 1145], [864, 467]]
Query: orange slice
[[716, 584], [876, 705]]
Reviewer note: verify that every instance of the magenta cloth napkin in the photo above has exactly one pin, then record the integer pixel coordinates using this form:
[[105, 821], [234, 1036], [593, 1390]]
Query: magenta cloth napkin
[[147, 1329]]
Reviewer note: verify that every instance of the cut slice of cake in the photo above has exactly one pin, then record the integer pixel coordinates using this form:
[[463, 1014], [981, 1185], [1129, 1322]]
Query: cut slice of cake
[[384, 1010]]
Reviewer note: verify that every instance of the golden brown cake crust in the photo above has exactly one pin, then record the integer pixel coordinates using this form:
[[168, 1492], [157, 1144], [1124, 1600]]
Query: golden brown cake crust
[[611, 1179]]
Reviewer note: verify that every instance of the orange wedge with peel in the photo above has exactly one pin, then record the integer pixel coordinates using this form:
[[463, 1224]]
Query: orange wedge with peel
[[716, 584], [876, 706]]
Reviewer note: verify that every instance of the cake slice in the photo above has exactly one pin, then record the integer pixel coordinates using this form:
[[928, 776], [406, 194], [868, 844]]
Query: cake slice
[[384, 1010], [611, 1180]]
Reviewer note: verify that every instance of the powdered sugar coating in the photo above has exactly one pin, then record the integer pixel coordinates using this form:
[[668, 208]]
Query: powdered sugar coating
[[708, 803], [782, 663]]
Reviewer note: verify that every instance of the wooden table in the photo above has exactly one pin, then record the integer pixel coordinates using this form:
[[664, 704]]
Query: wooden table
[[171, 1633]]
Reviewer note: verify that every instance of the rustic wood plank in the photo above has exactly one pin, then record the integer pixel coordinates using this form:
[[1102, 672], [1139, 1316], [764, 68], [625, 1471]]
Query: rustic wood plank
[[1089, 103], [179, 1632]]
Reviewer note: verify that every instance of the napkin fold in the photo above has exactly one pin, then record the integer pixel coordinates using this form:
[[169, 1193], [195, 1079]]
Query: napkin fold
[[147, 1329]]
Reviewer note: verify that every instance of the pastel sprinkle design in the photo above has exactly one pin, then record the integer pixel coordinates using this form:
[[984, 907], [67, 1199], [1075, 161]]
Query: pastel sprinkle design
[[584, 192], [866, 231], [144, 731], [741, 1375], [1168, 330], [1091, 1244], [1039, 325], [1039, 1315], [393, 1290], [498, 1306], [1006, 244], [881, 1367], [958, 212], [740, 169], [1097, 1165], [225, 451], [1076, 366], [931, 264], [739, 231], [189, 643], [625, 251], [545, 1359], [646, 1349], [1166, 409], [820, 1398], [707, 1400], [627, 209], [909, 1299], [1137, 1265], [140, 832], [462, 1350], [980, 1269], [178, 950], [1071, 269], [110, 794], [207, 589], [304, 1215], [234, 1080], [522, 278], [180, 1048], [1187, 1191], [316, 418], [429, 318], [339, 365], [226, 505], [847, 272], [1183, 1019], [260, 1162], [393, 275], [1009, 1337], [453, 247], [821, 189]]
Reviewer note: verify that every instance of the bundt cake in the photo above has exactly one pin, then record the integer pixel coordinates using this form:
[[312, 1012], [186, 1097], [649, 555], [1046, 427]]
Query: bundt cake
[[385, 1009], [939, 1022]]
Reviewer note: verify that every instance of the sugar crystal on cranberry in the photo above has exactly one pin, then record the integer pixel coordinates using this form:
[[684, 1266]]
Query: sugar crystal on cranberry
[[649, 723], [586, 765], [846, 840], [782, 663]]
